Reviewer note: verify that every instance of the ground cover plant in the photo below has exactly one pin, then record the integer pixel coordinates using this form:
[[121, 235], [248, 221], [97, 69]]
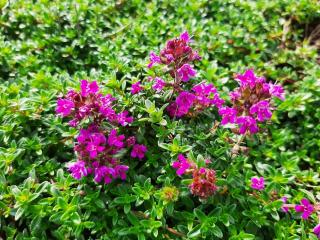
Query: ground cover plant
[[159, 119]]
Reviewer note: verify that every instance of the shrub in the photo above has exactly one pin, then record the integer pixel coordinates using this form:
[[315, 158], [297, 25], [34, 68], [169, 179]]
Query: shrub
[[155, 153]]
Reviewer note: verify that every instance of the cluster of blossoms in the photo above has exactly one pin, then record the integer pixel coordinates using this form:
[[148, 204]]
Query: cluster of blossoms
[[177, 58], [251, 102], [90, 103], [257, 183], [305, 208], [98, 144], [203, 179], [202, 96]]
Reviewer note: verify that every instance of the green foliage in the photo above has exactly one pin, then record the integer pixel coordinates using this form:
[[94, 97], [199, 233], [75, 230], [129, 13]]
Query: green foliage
[[46, 47]]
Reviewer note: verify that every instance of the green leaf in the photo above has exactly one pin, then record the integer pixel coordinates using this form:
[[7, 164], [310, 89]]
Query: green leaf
[[75, 218], [18, 214], [126, 208], [125, 199], [15, 190], [275, 215], [216, 212], [200, 215], [149, 104], [99, 203], [133, 219], [225, 219], [35, 223], [309, 195], [141, 236], [62, 203], [56, 217], [217, 231], [196, 231]]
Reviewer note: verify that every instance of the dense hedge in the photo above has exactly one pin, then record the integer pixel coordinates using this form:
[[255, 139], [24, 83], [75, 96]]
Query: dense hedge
[[47, 47]]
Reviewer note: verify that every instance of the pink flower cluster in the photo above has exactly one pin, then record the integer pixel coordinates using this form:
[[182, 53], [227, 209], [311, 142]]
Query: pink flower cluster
[[251, 102], [90, 103], [182, 165], [306, 209], [203, 179], [177, 56], [136, 88], [202, 96], [316, 230], [98, 145], [257, 183]]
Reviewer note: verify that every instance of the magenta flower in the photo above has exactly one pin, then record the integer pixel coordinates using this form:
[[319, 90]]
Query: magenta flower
[[94, 149], [205, 94], [103, 172], [94, 146], [252, 101], [204, 89], [257, 183], [87, 87], [108, 112], [71, 94], [185, 100], [159, 84], [114, 140], [195, 56], [105, 107], [78, 169], [247, 123], [182, 165], [186, 72], [83, 136], [138, 151], [234, 95], [172, 110], [229, 115], [153, 59], [109, 174], [136, 87], [124, 119], [121, 171], [262, 109], [73, 123], [99, 173], [306, 208], [185, 37], [107, 100], [217, 101], [276, 91], [131, 141], [91, 142], [316, 230], [64, 107], [247, 79], [84, 111], [182, 104], [284, 200]]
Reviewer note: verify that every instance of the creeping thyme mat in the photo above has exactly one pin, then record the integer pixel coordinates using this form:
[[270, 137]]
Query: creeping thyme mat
[[159, 120]]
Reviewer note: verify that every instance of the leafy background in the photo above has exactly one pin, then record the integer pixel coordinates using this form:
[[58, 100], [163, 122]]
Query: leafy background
[[46, 47]]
